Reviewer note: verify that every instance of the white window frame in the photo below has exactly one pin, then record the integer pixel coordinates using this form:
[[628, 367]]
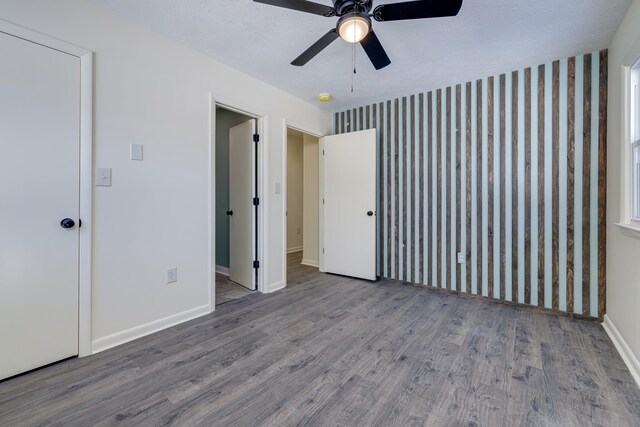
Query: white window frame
[[634, 141], [630, 140]]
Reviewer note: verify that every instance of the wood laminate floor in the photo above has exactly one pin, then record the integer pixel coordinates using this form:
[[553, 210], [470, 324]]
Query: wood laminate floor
[[296, 271], [226, 290], [330, 350]]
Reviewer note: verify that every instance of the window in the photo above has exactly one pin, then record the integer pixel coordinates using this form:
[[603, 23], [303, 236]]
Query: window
[[634, 122]]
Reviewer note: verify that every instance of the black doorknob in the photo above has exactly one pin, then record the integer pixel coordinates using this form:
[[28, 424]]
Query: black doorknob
[[369, 213], [230, 213], [67, 223]]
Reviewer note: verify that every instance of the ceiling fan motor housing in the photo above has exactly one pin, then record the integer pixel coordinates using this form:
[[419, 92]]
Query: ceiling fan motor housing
[[344, 7]]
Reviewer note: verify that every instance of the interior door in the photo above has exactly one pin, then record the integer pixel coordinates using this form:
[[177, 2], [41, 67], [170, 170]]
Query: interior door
[[348, 169], [39, 188], [241, 209]]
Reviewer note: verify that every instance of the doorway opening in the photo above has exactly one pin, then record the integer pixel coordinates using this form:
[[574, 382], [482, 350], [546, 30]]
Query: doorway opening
[[302, 205], [236, 205]]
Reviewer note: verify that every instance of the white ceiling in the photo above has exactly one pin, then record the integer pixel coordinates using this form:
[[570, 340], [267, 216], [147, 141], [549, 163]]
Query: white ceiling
[[487, 37]]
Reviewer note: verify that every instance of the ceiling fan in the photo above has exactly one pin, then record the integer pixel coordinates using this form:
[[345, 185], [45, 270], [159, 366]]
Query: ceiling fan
[[354, 23]]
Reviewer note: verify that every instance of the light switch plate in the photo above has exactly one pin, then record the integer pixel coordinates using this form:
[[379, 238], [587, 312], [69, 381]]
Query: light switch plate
[[135, 151], [103, 177], [277, 188]]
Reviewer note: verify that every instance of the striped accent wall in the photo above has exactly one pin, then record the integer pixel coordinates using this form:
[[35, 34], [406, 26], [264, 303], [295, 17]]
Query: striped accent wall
[[510, 172]]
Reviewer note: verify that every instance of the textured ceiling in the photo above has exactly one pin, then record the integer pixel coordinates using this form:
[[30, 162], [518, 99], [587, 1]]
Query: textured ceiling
[[487, 37]]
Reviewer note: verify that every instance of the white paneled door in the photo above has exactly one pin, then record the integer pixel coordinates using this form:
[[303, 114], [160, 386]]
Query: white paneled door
[[39, 204], [241, 210], [348, 169]]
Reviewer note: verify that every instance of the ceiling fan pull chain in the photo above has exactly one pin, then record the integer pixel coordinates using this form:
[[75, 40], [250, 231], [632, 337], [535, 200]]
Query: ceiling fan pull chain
[[353, 61]]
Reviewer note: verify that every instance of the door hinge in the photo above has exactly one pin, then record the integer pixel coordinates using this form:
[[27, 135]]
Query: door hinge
[[256, 201], [256, 137], [323, 152], [323, 201], [322, 250], [256, 264]]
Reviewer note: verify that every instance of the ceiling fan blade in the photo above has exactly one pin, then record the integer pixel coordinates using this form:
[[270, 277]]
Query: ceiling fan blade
[[417, 9], [301, 5], [375, 51], [316, 48]]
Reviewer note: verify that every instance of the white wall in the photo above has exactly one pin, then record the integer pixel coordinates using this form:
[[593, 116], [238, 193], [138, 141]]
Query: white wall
[[623, 247], [294, 191], [151, 90], [310, 225]]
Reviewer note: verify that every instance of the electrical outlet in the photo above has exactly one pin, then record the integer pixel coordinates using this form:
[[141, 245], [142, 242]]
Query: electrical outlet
[[172, 275], [460, 258]]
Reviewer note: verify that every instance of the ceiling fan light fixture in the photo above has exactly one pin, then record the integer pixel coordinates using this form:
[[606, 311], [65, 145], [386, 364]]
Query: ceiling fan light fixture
[[354, 27]]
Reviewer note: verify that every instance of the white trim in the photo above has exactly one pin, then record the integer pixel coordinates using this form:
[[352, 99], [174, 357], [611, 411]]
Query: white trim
[[42, 39], [625, 151], [262, 128], [86, 204], [263, 253], [86, 170], [276, 286], [633, 227], [140, 331], [283, 187], [294, 249], [623, 348], [222, 270], [321, 205], [310, 263], [212, 202], [283, 192]]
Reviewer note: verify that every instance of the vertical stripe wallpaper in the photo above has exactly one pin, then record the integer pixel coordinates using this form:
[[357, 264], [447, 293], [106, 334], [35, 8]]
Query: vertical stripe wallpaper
[[507, 171]]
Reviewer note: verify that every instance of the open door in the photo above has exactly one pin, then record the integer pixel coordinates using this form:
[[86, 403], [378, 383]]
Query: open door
[[241, 209], [348, 223]]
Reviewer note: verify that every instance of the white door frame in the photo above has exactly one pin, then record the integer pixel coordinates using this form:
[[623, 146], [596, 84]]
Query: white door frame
[[315, 133], [262, 128], [86, 170]]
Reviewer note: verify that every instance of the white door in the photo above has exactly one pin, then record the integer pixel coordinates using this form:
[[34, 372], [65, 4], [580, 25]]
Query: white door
[[39, 187], [242, 225], [348, 169]]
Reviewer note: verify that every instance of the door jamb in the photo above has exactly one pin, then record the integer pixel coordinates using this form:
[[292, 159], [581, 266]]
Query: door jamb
[[262, 128], [86, 170], [317, 134]]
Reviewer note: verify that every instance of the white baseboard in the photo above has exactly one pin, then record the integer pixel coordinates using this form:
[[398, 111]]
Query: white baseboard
[[623, 348], [276, 286], [310, 263], [140, 331], [295, 249], [222, 270]]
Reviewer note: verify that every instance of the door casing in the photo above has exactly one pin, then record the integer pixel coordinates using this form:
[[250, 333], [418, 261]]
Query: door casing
[[86, 170]]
